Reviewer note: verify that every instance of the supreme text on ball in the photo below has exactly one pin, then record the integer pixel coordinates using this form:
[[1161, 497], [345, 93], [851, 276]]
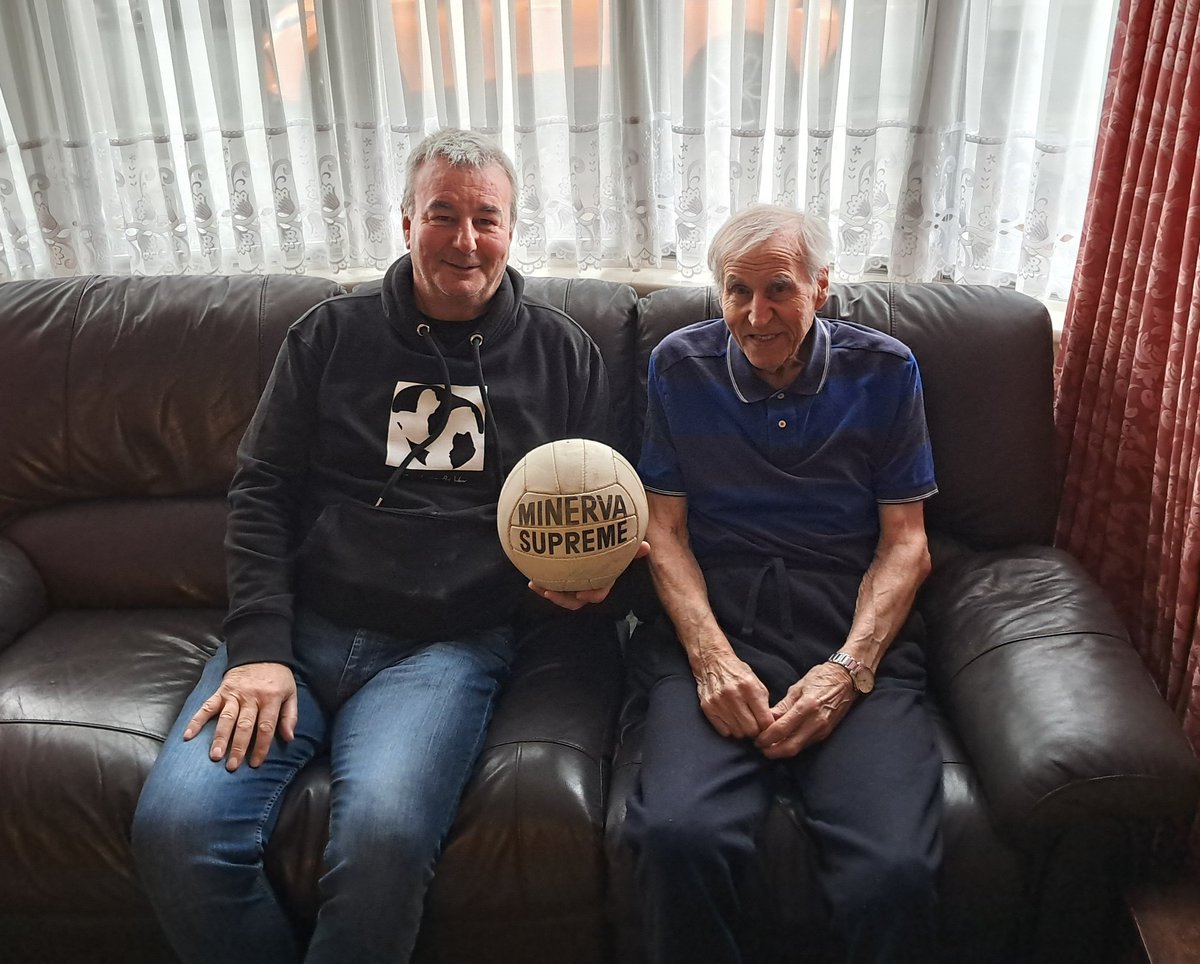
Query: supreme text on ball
[[602, 523]]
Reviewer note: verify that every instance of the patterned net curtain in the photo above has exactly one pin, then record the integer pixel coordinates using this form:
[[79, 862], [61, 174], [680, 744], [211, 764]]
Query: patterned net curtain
[[942, 138], [160, 136], [948, 139]]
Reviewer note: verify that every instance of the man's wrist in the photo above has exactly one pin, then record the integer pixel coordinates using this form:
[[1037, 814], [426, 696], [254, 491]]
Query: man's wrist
[[861, 677]]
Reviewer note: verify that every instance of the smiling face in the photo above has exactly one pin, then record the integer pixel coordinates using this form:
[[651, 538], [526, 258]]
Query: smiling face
[[458, 232], [769, 304]]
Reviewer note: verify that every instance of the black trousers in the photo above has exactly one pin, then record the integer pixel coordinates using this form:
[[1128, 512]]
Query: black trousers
[[871, 796]]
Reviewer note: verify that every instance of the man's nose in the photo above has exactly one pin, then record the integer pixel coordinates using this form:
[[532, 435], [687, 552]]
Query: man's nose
[[760, 310], [465, 237]]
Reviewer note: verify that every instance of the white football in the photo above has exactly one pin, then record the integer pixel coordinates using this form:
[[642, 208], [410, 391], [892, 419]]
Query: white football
[[572, 515]]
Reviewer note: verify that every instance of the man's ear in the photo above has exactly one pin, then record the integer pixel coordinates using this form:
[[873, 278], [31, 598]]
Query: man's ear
[[406, 224], [822, 294]]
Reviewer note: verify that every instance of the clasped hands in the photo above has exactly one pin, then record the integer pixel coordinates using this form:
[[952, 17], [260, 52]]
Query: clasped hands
[[736, 703]]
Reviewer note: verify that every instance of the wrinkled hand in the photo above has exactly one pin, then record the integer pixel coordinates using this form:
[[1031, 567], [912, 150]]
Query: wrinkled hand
[[732, 698], [584, 597], [808, 713], [252, 702]]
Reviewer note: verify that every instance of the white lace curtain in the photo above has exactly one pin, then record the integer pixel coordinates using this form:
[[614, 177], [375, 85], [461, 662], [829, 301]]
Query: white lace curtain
[[942, 138]]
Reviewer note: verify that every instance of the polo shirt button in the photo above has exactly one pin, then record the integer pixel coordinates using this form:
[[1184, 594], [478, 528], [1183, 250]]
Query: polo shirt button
[[782, 423], [780, 395]]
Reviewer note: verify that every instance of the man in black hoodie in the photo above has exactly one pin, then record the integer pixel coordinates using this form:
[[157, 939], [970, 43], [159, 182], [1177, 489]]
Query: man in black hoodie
[[375, 454]]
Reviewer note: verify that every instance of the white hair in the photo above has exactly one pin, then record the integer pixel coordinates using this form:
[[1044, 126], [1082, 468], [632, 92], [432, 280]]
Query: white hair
[[758, 222]]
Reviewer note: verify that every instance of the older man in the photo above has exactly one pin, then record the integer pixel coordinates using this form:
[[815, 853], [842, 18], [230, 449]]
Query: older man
[[786, 458], [378, 447]]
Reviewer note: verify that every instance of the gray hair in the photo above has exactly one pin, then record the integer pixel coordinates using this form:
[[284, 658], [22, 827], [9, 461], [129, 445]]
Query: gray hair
[[459, 149], [758, 222]]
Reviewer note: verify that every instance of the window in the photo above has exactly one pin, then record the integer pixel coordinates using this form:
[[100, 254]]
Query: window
[[157, 136]]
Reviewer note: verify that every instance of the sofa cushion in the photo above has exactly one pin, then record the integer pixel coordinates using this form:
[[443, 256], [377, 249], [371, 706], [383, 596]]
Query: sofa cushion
[[111, 553], [523, 869], [143, 386], [86, 698]]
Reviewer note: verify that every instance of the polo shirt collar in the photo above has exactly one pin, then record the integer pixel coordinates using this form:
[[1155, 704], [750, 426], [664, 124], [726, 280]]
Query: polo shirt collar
[[750, 387]]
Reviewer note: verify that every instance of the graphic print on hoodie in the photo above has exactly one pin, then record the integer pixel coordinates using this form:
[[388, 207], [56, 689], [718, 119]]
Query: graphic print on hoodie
[[460, 446]]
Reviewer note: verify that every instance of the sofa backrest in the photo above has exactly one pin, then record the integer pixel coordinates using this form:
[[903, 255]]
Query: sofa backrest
[[608, 311], [986, 359], [122, 402]]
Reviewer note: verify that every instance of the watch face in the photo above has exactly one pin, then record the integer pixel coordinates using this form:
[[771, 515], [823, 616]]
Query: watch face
[[863, 678]]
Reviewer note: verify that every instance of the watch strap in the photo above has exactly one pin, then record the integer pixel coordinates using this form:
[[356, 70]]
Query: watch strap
[[861, 677]]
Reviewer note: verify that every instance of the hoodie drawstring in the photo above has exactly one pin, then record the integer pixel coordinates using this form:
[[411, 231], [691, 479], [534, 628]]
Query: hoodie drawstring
[[489, 421]]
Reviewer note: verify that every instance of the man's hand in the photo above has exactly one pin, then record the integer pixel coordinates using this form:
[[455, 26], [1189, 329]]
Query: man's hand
[[252, 702], [732, 698], [808, 713], [584, 597]]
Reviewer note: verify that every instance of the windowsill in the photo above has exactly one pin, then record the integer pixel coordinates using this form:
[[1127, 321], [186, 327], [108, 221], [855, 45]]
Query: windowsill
[[642, 280]]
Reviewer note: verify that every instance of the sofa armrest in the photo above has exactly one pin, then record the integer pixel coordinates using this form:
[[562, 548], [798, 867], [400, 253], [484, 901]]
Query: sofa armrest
[[23, 599], [1052, 703]]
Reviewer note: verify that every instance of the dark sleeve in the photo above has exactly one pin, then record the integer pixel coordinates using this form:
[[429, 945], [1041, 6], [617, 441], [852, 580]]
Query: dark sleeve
[[264, 507], [591, 402]]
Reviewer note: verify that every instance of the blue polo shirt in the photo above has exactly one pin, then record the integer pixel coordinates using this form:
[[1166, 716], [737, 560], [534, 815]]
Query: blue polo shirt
[[797, 473]]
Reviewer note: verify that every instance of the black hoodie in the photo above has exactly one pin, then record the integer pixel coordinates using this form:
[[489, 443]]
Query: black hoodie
[[351, 392]]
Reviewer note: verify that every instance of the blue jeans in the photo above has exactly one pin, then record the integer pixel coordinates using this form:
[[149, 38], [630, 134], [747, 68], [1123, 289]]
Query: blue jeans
[[403, 724]]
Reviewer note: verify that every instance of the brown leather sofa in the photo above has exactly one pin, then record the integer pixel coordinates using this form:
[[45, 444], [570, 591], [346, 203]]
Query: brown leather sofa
[[121, 404]]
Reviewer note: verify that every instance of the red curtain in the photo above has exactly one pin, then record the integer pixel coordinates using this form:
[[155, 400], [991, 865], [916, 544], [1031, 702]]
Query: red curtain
[[1129, 384]]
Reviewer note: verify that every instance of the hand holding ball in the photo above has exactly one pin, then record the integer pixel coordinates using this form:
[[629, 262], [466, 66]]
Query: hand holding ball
[[572, 514]]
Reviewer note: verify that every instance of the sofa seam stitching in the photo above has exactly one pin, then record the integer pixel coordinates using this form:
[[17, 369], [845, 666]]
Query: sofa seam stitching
[[1058, 791], [543, 742], [68, 458], [87, 726], [1022, 639]]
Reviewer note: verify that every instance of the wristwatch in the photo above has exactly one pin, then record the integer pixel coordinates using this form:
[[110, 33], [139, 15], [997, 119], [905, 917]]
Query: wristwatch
[[862, 678]]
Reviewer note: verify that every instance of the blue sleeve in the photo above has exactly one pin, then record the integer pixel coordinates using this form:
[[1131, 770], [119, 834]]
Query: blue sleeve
[[658, 465], [904, 468]]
